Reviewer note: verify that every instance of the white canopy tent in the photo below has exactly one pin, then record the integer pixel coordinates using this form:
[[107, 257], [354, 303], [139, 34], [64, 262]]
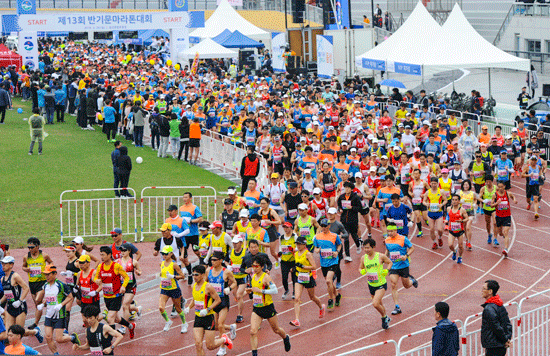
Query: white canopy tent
[[207, 48], [226, 17]]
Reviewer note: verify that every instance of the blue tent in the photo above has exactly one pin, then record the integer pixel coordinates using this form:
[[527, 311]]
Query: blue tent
[[238, 40], [219, 39], [146, 35]]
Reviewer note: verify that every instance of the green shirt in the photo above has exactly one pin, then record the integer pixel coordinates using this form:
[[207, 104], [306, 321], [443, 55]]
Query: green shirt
[[174, 128]]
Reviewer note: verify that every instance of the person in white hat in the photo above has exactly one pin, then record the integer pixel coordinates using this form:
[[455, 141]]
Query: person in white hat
[[243, 223], [82, 249], [319, 203], [236, 257], [305, 225], [308, 183], [365, 195]]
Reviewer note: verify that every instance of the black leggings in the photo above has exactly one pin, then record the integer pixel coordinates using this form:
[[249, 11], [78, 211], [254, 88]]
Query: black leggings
[[352, 229], [110, 130], [286, 268], [184, 145]]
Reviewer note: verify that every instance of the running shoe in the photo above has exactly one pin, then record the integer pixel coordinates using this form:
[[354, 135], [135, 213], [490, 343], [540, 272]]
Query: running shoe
[[434, 246], [459, 260], [330, 304], [338, 285], [413, 281], [32, 326], [233, 331], [505, 253], [295, 323], [140, 308], [131, 329], [122, 330], [167, 325], [285, 295], [454, 255], [529, 206], [358, 250], [293, 297], [222, 351], [348, 259], [370, 235], [227, 342], [133, 316], [65, 332], [495, 242], [420, 234], [396, 311], [38, 335], [536, 216], [75, 339], [174, 312], [322, 311], [440, 242], [183, 328], [468, 246], [385, 322], [239, 319], [338, 298], [105, 312], [490, 238], [287, 343]]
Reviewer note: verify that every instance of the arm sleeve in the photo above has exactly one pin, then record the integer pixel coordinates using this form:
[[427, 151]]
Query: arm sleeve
[[157, 245], [271, 290], [182, 234]]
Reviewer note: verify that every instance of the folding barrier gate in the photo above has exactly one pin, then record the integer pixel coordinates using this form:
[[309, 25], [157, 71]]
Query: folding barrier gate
[[153, 207], [97, 213]]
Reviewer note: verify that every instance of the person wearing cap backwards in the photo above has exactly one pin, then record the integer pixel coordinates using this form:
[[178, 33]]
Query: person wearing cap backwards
[[15, 292], [399, 249], [372, 265], [34, 264], [89, 290], [533, 173], [305, 278], [56, 296], [305, 225], [503, 168], [229, 216], [205, 299], [170, 272], [113, 280], [224, 282], [329, 246], [349, 204], [236, 259]]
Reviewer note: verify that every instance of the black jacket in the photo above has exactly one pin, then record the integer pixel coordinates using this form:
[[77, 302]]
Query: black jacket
[[445, 340], [164, 126], [247, 261], [350, 216], [124, 162], [496, 328], [184, 130]]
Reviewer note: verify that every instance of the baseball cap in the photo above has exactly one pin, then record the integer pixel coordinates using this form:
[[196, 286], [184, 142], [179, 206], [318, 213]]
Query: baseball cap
[[353, 149], [49, 269], [165, 227], [503, 152], [417, 149], [324, 222], [358, 175], [287, 224], [116, 231], [372, 169], [316, 191], [215, 224], [78, 240], [172, 207], [302, 206], [84, 258], [69, 248], [484, 127], [8, 259], [332, 210], [244, 213], [306, 171], [469, 128], [426, 122], [509, 137], [231, 190], [532, 157], [444, 170], [167, 249], [301, 240], [228, 201], [237, 238], [375, 140], [275, 175], [450, 147], [515, 129]]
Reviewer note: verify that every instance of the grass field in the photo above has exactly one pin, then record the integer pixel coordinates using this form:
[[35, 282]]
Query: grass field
[[72, 159]]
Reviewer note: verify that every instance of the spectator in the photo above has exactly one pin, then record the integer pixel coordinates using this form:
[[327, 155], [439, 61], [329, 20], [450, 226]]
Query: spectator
[[139, 123], [60, 98], [164, 132], [184, 138], [154, 127], [366, 19], [114, 158], [49, 105], [174, 135], [496, 329], [445, 339], [109, 121], [532, 80], [194, 140], [72, 91], [250, 167], [36, 124], [4, 102], [124, 168]]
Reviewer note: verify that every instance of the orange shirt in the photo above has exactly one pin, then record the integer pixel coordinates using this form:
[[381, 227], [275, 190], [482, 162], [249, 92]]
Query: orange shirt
[[484, 138], [195, 130]]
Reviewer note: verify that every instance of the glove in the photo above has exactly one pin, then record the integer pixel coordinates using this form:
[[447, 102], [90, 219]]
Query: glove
[[39, 307], [2, 310], [75, 290], [169, 275], [389, 220], [410, 224], [187, 219], [279, 254], [173, 233], [58, 307], [186, 310], [65, 273], [92, 293], [206, 260], [384, 272], [487, 201], [203, 312], [299, 265], [363, 272], [227, 290], [16, 304]]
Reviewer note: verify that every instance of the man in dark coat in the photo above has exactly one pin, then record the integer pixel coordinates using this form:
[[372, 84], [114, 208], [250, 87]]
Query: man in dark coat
[[496, 329], [445, 340], [124, 168], [4, 102]]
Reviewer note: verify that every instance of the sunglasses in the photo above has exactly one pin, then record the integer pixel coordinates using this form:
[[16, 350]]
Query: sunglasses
[[163, 253], [31, 247], [121, 250], [256, 266], [214, 259], [196, 274]]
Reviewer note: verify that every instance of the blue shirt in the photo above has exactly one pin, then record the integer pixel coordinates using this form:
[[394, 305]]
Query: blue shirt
[[399, 214], [60, 97], [2, 329], [502, 167], [397, 247], [327, 246], [192, 212], [109, 114], [429, 148]]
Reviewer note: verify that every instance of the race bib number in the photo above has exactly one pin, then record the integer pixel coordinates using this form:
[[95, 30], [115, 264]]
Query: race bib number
[[326, 253], [50, 299], [467, 206], [85, 291], [166, 282], [434, 208], [96, 351], [277, 158], [364, 204], [199, 305], [36, 271], [203, 252], [417, 201], [8, 293], [502, 173], [372, 277], [346, 204], [236, 269], [478, 174], [257, 300], [304, 231], [399, 224], [69, 278], [503, 205], [394, 256], [535, 176], [303, 277], [108, 288], [217, 249], [249, 139], [217, 287], [456, 226], [249, 203], [276, 200], [292, 213]]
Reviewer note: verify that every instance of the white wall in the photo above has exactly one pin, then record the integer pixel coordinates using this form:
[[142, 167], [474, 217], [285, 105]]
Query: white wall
[[347, 45], [528, 27]]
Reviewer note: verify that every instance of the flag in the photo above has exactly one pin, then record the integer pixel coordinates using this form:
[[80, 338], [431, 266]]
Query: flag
[[195, 64]]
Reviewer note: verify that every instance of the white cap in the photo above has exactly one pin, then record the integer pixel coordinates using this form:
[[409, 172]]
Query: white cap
[[307, 171], [237, 238], [316, 190], [358, 175], [244, 213], [370, 137], [509, 137], [353, 149], [8, 259], [396, 148], [515, 129], [426, 122], [316, 123], [302, 207], [303, 139], [375, 140], [384, 157], [372, 169], [231, 191], [78, 240], [332, 210], [417, 149]]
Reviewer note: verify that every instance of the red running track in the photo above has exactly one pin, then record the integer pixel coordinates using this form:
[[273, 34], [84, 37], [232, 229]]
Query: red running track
[[355, 323]]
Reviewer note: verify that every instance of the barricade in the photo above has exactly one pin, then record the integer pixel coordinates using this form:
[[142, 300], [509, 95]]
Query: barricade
[[97, 213], [533, 328], [155, 201], [384, 348], [425, 335]]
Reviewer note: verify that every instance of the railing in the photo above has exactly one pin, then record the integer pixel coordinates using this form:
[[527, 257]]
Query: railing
[[380, 34], [504, 25], [536, 57], [531, 334], [521, 9]]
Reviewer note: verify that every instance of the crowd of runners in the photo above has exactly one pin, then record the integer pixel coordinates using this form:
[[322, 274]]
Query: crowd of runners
[[336, 159]]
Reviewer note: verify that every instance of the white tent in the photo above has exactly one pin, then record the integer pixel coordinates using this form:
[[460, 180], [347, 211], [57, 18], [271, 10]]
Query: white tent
[[408, 48], [226, 17], [207, 48], [470, 50]]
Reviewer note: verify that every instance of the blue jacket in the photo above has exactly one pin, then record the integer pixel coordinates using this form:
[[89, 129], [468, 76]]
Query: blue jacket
[[114, 157], [60, 97], [4, 98], [445, 340]]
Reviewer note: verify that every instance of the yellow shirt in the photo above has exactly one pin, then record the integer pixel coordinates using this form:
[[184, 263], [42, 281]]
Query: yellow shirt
[[165, 282], [37, 266], [236, 262], [202, 301], [304, 275], [260, 300]]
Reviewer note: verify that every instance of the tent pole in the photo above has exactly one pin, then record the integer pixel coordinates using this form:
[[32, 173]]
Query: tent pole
[[489, 72], [453, 80], [422, 75]]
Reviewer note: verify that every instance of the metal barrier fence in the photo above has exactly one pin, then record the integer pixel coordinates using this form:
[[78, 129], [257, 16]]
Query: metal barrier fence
[[221, 153], [97, 213], [531, 334], [153, 207]]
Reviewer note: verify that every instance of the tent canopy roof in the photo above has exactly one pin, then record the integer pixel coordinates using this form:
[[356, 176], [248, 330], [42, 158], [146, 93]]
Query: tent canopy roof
[[222, 36], [238, 40], [226, 17], [5, 52], [207, 48]]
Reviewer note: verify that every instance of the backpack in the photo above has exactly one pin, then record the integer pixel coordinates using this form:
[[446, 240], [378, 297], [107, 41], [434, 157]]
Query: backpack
[[36, 122]]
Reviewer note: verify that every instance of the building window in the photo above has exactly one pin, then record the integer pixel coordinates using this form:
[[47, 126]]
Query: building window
[[547, 46], [533, 46]]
